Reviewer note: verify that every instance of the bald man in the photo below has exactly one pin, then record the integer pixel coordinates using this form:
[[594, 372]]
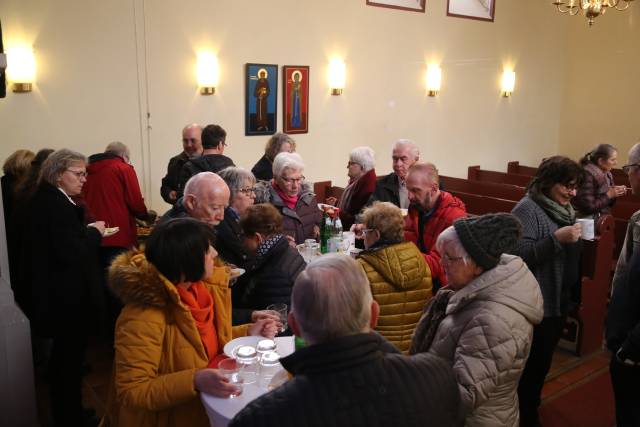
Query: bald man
[[431, 210], [192, 148], [206, 196]]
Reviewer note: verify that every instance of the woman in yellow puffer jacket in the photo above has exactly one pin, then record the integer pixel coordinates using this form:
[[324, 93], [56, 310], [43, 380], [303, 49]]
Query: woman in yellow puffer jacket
[[172, 329], [399, 276]]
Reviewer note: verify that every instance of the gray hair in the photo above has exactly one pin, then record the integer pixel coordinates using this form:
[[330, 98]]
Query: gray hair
[[235, 177], [413, 148], [449, 239], [119, 149], [201, 182], [284, 161], [331, 298], [364, 156], [58, 162], [263, 194], [634, 153]]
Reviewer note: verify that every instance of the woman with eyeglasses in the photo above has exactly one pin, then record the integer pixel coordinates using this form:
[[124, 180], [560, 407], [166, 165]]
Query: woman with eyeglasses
[[597, 194], [482, 321], [58, 277], [294, 198], [399, 276], [362, 182], [551, 247]]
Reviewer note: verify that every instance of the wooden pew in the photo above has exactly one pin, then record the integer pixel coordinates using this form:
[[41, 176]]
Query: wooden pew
[[518, 169], [500, 191], [474, 173], [324, 189]]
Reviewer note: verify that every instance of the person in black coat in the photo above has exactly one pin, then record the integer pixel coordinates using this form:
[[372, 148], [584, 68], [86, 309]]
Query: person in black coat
[[192, 148], [348, 375], [278, 143], [58, 275], [276, 265]]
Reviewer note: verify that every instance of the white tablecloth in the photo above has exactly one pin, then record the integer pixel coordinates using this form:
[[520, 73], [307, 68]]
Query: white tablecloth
[[222, 410]]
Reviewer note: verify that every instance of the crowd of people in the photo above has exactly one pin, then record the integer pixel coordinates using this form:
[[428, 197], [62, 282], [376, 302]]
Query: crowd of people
[[443, 319]]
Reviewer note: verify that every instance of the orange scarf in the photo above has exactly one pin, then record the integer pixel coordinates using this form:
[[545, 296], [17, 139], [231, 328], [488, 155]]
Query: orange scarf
[[200, 303]]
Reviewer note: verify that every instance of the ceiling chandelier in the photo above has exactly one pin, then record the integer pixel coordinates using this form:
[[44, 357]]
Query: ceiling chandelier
[[591, 8]]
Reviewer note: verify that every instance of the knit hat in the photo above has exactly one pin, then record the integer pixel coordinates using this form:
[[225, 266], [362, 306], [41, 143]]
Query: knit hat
[[487, 237]]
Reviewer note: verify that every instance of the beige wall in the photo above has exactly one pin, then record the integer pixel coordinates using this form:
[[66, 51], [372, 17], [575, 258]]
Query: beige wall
[[602, 95], [101, 65]]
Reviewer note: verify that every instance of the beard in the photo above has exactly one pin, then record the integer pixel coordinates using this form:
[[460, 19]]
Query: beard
[[421, 206]]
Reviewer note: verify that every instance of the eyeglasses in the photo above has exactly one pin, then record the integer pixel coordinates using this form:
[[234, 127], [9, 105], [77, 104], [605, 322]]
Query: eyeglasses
[[627, 168], [248, 191], [570, 186], [78, 174], [451, 259], [349, 163], [292, 180]]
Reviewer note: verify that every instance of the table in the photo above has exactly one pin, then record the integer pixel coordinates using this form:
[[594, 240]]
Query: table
[[221, 410]]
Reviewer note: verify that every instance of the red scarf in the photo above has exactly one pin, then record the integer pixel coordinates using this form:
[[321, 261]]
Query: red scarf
[[200, 304], [290, 201]]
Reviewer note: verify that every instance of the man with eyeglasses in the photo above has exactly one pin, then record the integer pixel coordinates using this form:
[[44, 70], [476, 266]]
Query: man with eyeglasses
[[192, 148], [212, 159], [623, 319]]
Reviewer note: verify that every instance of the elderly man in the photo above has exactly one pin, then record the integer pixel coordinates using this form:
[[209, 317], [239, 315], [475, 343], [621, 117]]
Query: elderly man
[[623, 318], [192, 148], [206, 196], [430, 213], [348, 375], [392, 188], [212, 159]]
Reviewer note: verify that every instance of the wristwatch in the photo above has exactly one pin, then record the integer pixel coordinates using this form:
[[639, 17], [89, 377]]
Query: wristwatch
[[622, 359]]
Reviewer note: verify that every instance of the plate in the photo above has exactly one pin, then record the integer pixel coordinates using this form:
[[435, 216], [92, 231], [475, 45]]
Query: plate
[[110, 231], [237, 272], [284, 345]]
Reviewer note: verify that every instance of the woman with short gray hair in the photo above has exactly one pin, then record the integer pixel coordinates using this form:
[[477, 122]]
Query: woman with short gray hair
[[294, 198], [278, 143], [362, 183], [58, 271]]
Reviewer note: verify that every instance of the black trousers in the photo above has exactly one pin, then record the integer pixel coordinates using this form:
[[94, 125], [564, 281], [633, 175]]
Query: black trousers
[[625, 380], [545, 339]]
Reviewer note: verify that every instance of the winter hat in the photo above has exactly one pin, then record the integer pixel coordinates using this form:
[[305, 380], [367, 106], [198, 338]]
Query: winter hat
[[487, 237]]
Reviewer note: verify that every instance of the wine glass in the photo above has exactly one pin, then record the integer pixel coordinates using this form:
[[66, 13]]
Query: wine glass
[[282, 310]]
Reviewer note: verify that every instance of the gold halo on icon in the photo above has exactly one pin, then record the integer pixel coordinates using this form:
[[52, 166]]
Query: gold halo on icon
[[298, 73], [263, 70]]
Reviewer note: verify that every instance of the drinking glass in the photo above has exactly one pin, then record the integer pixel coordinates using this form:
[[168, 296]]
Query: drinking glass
[[269, 366], [231, 370], [281, 309], [247, 358], [265, 346]]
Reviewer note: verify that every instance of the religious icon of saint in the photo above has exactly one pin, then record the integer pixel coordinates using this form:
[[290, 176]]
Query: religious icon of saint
[[296, 93], [261, 93]]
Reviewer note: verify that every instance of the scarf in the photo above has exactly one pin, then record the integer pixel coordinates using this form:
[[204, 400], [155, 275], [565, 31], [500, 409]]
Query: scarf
[[200, 303], [604, 179], [433, 314], [561, 215], [289, 201], [269, 243], [345, 200]]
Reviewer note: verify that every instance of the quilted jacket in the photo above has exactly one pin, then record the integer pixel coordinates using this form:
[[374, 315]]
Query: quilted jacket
[[486, 335], [298, 222], [401, 284], [158, 348]]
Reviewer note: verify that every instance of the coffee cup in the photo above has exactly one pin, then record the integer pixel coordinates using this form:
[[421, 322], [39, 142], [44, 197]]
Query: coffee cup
[[588, 228]]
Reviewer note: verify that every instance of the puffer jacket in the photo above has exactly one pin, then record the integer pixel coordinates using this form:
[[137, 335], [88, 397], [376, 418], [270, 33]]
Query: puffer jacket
[[401, 284], [158, 348], [486, 335], [298, 222]]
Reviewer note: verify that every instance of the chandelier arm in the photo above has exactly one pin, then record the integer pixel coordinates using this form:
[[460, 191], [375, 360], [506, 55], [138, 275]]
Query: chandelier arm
[[626, 5]]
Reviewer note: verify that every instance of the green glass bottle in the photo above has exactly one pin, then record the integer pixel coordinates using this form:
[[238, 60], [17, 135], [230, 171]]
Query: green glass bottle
[[298, 343]]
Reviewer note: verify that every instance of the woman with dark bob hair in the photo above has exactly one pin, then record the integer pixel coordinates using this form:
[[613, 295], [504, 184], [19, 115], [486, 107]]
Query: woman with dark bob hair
[[278, 143], [171, 332], [551, 248], [597, 194]]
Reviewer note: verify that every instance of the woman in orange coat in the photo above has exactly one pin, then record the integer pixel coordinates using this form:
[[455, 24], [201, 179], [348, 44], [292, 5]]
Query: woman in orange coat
[[172, 330]]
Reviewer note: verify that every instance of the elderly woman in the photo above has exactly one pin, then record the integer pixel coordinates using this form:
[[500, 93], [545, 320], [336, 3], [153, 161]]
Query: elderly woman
[[400, 278], [550, 246], [362, 182], [171, 333], [57, 276], [278, 143], [276, 264], [294, 198], [482, 322], [229, 242], [597, 194]]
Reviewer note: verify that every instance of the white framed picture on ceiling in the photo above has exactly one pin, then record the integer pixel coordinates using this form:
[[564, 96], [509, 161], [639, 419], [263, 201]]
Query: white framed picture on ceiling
[[413, 5], [483, 10]]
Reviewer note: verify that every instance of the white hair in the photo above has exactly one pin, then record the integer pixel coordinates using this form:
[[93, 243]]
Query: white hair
[[413, 148], [634, 153], [235, 177], [364, 156], [119, 149], [201, 182], [286, 160], [449, 239], [331, 298]]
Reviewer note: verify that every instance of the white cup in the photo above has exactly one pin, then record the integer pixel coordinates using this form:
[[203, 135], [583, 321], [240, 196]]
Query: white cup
[[349, 236], [588, 228]]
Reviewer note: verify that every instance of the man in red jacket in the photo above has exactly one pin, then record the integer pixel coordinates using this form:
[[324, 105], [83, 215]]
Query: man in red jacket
[[431, 210]]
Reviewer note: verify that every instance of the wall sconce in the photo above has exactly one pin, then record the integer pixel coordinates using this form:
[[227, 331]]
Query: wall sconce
[[337, 76], [21, 68], [508, 82], [208, 72], [434, 78]]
